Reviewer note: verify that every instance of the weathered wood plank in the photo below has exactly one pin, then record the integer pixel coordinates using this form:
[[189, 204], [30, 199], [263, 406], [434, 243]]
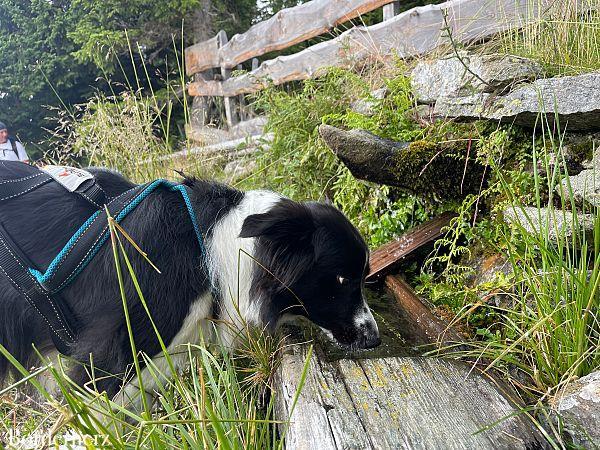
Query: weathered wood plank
[[288, 27], [387, 257], [202, 56], [393, 403], [425, 322], [409, 34]]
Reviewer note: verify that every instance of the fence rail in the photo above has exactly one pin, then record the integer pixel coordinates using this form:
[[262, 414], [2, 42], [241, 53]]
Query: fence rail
[[408, 34], [288, 27]]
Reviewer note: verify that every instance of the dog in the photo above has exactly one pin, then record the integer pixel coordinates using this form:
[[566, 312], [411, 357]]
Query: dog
[[267, 258]]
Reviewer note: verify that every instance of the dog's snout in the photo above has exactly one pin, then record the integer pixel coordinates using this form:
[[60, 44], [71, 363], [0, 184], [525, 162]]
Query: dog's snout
[[367, 329]]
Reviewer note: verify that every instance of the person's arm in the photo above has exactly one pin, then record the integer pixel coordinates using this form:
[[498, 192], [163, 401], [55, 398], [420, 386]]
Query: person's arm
[[22, 153]]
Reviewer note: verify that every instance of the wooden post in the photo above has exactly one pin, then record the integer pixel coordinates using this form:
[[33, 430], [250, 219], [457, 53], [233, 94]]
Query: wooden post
[[390, 10], [229, 102], [242, 107]]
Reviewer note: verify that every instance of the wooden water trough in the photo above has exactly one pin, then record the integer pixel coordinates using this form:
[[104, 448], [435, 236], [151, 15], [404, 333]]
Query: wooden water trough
[[392, 398]]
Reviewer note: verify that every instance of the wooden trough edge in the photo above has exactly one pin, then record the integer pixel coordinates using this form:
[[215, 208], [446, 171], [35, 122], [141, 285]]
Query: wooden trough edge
[[387, 257]]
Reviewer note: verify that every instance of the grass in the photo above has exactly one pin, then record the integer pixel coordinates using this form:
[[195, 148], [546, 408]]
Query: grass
[[222, 400], [565, 38], [548, 333]]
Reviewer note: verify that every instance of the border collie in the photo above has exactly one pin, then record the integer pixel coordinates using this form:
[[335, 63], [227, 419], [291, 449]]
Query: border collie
[[267, 258]]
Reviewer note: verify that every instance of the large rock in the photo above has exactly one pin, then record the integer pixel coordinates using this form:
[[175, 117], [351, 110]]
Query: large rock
[[557, 224], [575, 101], [449, 77], [579, 408]]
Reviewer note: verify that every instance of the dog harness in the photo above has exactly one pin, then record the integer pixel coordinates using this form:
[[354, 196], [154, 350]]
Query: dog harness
[[41, 288]]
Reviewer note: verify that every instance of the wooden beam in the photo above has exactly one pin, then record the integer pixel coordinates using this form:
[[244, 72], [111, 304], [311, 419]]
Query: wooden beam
[[288, 27], [387, 257], [394, 403], [430, 328], [202, 56], [408, 34]]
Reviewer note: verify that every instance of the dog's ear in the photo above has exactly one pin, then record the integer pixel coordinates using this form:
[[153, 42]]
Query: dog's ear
[[286, 221]]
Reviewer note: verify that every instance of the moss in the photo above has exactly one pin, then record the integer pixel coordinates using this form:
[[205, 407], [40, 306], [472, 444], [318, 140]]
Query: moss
[[582, 150], [437, 170]]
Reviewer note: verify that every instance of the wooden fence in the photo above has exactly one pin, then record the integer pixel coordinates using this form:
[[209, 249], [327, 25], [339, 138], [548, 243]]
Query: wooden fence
[[407, 34]]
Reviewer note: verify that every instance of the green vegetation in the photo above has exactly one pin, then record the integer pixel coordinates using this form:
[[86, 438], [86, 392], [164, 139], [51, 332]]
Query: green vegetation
[[537, 322], [566, 40]]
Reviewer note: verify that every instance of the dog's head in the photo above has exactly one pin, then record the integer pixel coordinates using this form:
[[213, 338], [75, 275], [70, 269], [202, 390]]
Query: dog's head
[[311, 261]]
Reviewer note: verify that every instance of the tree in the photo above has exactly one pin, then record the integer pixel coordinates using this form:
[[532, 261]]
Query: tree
[[59, 52]]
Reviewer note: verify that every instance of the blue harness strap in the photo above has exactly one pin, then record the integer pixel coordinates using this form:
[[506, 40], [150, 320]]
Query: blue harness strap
[[94, 232], [42, 289]]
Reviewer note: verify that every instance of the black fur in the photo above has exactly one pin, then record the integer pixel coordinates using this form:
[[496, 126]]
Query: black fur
[[44, 222], [301, 251]]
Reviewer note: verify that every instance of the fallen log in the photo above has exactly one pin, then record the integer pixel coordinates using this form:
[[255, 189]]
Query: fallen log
[[441, 170], [387, 257]]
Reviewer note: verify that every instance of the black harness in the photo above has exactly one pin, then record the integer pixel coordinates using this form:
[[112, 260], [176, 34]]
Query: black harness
[[42, 289]]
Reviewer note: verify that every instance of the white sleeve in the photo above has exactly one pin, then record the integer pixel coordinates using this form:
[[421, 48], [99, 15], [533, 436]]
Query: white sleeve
[[21, 151]]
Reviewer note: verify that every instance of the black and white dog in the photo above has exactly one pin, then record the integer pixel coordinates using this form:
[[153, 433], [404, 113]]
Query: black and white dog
[[267, 258]]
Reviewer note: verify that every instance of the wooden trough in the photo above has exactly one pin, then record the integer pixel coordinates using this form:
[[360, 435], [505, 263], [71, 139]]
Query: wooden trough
[[392, 398]]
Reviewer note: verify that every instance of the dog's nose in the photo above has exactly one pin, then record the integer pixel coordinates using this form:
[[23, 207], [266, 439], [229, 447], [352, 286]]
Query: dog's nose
[[368, 330], [373, 341]]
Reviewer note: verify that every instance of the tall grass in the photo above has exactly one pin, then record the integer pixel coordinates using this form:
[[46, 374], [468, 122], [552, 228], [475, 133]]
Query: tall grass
[[222, 400], [549, 333], [564, 35]]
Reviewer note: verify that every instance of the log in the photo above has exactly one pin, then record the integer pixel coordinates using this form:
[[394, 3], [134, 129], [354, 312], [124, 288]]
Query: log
[[387, 257], [429, 326], [288, 27], [395, 403], [409, 34], [425, 168]]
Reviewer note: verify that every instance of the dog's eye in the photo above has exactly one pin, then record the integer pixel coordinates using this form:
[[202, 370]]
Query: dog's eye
[[343, 281]]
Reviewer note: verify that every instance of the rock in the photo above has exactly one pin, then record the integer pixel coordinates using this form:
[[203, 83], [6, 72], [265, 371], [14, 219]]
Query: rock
[[579, 408], [448, 77], [252, 127], [489, 271], [585, 185], [558, 224], [421, 167], [366, 106], [574, 100], [206, 135]]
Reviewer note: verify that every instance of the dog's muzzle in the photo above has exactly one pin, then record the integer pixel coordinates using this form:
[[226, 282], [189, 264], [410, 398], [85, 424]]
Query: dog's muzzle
[[366, 327]]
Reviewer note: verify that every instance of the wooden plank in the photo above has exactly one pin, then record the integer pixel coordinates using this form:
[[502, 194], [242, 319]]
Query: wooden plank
[[202, 56], [395, 403], [411, 33], [419, 314], [288, 27], [387, 257]]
